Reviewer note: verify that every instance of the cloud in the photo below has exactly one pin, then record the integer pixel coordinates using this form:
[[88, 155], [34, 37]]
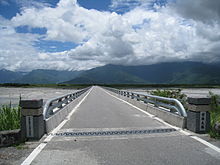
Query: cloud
[[33, 3], [207, 11], [17, 52], [139, 36], [123, 6], [4, 2], [14, 48]]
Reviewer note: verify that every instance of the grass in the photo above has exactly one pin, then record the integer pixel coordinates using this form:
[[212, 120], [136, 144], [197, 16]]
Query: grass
[[214, 115], [20, 146], [9, 117]]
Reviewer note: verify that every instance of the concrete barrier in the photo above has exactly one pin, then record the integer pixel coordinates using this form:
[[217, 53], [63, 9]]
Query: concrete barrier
[[10, 137], [32, 120], [167, 116], [198, 119]]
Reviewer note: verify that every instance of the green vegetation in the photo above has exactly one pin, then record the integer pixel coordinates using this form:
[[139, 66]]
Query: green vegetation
[[9, 117], [215, 115], [174, 93], [171, 93], [20, 146]]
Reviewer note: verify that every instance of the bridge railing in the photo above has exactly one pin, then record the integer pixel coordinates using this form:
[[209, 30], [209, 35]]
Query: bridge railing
[[168, 104], [54, 105], [38, 119]]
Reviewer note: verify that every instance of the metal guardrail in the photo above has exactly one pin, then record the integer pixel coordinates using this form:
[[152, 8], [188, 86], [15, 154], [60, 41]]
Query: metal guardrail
[[171, 104], [54, 105]]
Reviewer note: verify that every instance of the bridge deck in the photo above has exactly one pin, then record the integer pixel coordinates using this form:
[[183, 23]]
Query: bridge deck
[[105, 130]]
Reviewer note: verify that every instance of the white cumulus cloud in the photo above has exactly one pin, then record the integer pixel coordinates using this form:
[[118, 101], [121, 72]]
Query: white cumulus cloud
[[142, 35]]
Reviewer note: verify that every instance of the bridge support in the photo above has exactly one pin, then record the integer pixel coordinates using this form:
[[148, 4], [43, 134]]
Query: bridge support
[[198, 117], [32, 121]]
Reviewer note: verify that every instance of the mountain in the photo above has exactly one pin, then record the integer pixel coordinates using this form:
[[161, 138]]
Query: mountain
[[112, 74], [41, 76], [162, 73], [7, 76]]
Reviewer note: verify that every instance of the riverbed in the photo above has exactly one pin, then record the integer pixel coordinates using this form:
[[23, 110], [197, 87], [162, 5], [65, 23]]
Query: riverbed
[[12, 95]]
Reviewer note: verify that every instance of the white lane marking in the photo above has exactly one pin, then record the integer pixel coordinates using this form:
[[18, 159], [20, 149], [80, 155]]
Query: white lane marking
[[41, 146], [206, 143], [217, 149]]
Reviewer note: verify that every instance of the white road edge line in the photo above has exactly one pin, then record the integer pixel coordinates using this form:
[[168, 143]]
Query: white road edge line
[[41, 146], [217, 149]]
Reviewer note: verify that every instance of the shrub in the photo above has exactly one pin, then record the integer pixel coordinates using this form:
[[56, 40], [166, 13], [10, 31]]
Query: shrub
[[174, 93], [214, 115], [9, 117]]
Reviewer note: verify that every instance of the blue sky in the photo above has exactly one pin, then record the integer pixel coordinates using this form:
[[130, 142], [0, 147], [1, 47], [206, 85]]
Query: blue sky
[[75, 35], [9, 9]]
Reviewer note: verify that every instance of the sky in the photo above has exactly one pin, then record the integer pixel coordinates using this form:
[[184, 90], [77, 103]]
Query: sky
[[83, 34]]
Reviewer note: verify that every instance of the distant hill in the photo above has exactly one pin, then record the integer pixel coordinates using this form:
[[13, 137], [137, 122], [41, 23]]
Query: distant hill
[[41, 76], [162, 73], [7, 76], [112, 74]]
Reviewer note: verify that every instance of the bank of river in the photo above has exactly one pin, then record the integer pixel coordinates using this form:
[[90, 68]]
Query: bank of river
[[190, 92], [13, 94]]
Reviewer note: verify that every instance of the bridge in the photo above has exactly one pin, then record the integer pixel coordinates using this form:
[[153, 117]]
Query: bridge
[[104, 126]]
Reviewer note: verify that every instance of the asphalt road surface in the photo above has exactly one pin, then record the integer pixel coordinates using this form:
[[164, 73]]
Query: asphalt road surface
[[104, 130]]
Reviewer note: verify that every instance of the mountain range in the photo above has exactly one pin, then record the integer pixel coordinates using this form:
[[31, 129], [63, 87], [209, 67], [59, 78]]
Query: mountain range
[[39, 76], [161, 73]]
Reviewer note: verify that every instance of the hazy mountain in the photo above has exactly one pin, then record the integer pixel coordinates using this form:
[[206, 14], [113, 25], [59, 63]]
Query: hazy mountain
[[106, 74], [174, 73], [7, 76], [166, 73], [41, 76]]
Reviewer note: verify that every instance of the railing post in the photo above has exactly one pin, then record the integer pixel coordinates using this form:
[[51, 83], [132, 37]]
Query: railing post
[[132, 95], [145, 100], [60, 100], [198, 117], [155, 102], [32, 120], [138, 96]]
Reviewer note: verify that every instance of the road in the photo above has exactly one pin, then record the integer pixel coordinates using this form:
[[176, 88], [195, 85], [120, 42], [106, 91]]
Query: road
[[116, 133]]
